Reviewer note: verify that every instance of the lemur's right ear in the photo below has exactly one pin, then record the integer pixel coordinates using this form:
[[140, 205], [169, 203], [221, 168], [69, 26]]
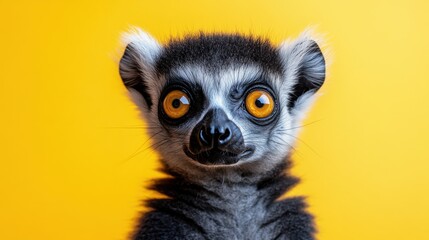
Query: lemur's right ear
[[137, 65], [305, 70]]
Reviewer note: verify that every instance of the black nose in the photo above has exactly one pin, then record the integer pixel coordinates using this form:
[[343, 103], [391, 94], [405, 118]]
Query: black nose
[[215, 134], [216, 140]]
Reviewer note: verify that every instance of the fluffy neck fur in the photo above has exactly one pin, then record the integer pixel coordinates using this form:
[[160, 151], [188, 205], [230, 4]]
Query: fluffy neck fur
[[226, 210]]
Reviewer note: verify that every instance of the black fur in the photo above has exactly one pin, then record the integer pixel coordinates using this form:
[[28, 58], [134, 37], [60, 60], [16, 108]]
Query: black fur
[[218, 50], [192, 211]]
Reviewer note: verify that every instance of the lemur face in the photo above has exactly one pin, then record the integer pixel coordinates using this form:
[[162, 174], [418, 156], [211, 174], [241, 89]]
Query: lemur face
[[222, 101], [221, 116]]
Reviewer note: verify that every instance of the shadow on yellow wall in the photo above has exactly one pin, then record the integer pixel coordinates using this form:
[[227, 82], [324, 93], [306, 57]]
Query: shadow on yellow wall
[[69, 130]]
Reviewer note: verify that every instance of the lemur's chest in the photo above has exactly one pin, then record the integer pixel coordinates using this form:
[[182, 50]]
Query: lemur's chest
[[241, 214], [227, 211]]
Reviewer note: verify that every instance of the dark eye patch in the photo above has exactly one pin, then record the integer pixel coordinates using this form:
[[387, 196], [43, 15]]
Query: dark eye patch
[[195, 93]]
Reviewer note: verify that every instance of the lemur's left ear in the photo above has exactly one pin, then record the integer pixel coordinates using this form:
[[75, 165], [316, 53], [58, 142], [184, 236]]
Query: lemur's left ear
[[304, 66], [137, 65]]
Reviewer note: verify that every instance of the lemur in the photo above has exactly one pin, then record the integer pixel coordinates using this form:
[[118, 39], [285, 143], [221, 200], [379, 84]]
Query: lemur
[[223, 111]]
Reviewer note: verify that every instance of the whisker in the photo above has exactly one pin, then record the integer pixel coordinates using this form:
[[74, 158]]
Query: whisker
[[300, 140], [137, 151], [304, 125], [288, 129], [282, 141]]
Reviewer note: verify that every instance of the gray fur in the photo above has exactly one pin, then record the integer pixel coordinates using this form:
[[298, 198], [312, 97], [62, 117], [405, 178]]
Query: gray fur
[[225, 201]]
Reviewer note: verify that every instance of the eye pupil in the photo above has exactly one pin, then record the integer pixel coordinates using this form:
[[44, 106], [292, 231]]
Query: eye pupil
[[259, 103], [262, 101], [176, 103]]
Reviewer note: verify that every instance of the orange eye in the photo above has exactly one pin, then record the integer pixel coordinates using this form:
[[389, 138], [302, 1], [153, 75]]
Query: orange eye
[[260, 103], [176, 104]]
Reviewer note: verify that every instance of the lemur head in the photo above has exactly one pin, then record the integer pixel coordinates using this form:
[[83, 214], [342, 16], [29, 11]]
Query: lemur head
[[222, 104]]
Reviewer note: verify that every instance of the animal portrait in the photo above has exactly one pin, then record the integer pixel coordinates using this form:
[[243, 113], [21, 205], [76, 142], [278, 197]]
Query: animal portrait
[[214, 120], [223, 111]]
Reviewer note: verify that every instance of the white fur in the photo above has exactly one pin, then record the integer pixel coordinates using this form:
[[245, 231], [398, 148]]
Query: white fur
[[147, 46], [293, 53], [217, 85]]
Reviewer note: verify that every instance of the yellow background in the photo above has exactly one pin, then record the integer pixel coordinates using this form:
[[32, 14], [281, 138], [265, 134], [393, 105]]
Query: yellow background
[[68, 130]]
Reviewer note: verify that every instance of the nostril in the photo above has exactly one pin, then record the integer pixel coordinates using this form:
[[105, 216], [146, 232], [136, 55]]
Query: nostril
[[225, 137], [204, 139]]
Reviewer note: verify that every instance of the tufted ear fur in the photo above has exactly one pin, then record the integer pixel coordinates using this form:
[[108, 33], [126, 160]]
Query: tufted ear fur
[[305, 71], [137, 66]]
